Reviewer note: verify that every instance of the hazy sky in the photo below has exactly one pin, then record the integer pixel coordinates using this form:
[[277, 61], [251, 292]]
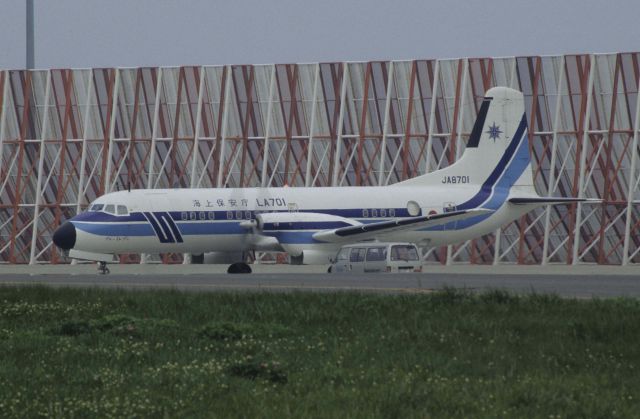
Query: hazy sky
[[129, 33]]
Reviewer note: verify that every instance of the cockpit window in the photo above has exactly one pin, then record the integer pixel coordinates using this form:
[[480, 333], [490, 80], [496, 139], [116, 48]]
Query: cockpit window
[[122, 210], [96, 207], [110, 208]]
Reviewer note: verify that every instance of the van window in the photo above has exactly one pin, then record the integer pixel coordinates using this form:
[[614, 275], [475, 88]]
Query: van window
[[375, 254], [404, 252], [357, 254], [344, 254]]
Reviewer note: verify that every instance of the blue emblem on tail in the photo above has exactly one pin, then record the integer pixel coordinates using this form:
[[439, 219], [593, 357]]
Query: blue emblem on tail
[[494, 132]]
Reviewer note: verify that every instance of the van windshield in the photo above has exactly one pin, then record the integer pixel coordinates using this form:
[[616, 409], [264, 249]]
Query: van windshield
[[404, 252], [344, 254]]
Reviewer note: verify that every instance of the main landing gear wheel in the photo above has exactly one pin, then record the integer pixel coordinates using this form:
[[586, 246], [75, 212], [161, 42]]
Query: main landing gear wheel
[[102, 268], [239, 268]]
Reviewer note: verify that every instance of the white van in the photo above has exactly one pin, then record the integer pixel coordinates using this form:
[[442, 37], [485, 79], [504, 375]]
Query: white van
[[377, 257]]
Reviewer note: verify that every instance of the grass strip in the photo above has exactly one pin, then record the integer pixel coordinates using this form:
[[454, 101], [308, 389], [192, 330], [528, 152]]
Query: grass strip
[[91, 352]]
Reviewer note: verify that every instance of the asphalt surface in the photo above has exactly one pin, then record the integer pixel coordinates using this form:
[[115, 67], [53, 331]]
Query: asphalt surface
[[576, 286]]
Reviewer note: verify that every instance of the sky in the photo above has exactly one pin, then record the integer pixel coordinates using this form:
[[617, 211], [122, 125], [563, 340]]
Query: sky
[[132, 33]]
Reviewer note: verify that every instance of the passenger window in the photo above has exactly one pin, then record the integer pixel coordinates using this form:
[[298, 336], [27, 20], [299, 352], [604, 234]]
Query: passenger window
[[375, 254], [122, 210], [202, 216], [211, 215], [357, 254], [365, 212], [110, 209], [192, 216], [374, 212], [383, 212], [229, 215], [238, 215], [184, 216], [392, 212]]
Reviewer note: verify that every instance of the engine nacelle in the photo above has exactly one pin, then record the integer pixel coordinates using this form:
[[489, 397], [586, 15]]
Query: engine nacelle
[[313, 221]]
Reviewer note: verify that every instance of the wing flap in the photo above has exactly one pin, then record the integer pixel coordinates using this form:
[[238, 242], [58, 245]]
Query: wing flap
[[368, 231]]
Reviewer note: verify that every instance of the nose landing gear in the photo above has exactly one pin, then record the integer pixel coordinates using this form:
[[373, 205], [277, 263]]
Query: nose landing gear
[[102, 268]]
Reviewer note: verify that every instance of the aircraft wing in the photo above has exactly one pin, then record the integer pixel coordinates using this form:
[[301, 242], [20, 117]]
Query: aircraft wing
[[369, 231], [550, 200]]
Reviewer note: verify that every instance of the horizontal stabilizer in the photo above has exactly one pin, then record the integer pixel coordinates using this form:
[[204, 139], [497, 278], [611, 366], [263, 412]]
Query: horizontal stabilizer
[[370, 231], [551, 201]]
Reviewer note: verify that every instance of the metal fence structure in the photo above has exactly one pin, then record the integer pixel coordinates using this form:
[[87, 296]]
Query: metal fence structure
[[68, 136]]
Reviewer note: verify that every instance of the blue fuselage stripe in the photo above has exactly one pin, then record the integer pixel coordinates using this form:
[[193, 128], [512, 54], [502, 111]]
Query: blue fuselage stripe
[[113, 229], [165, 219], [160, 231]]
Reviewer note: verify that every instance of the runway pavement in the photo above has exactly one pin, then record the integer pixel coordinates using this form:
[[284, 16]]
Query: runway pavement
[[586, 285]]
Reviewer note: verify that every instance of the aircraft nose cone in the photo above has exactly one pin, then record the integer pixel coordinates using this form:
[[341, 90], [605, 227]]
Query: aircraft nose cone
[[65, 236]]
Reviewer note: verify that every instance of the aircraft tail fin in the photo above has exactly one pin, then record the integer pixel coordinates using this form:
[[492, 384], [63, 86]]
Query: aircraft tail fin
[[497, 153]]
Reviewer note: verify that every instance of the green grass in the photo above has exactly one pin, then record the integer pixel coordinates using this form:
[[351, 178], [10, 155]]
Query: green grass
[[82, 353]]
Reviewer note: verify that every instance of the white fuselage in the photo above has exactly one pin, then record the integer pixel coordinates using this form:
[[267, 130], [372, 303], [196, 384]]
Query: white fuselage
[[210, 220], [315, 222]]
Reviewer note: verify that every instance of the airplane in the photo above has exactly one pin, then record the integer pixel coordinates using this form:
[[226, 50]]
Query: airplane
[[490, 185]]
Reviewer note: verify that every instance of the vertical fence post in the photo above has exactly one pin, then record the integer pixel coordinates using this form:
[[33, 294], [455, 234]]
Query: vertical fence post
[[223, 132], [41, 149], [552, 164], [112, 127], [312, 126], [264, 179], [343, 97], [632, 179], [583, 160]]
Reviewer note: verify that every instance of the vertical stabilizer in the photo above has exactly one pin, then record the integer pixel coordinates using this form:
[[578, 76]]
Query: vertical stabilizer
[[497, 153]]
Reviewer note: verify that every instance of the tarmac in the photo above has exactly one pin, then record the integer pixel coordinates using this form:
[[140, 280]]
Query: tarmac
[[190, 269], [573, 281]]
